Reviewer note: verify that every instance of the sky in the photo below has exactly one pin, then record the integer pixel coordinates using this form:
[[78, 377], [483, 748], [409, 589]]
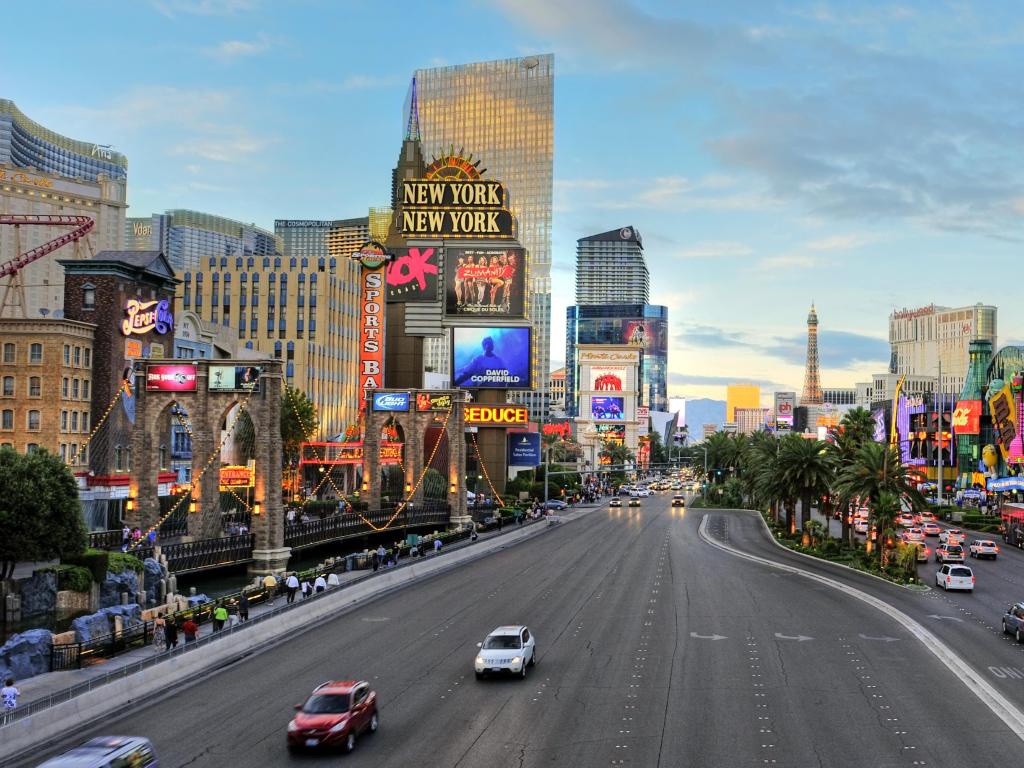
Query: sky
[[863, 156]]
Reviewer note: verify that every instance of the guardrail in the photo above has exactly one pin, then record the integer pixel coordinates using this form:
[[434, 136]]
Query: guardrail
[[298, 534]]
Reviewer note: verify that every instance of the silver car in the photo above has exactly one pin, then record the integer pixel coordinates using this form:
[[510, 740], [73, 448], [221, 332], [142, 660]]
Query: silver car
[[506, 650]]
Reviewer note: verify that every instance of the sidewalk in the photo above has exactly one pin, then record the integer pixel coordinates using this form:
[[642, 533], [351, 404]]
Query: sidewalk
[[48, 686]]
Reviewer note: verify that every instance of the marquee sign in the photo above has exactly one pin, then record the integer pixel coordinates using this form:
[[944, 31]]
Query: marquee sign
[[373, 258], [468, 208], [1004, 418], [237, 476], [390, 453], [496, 415], [145, 316]]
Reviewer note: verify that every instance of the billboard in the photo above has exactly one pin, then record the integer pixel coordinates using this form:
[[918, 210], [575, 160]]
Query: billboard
[[561, 429], [612, 433], [493, 358], [496, 415], [170, 378], [523, 449], [967, 417], [1004, 417], [644, 333], [485, 282], [607, 408], [607, 378], [412, 275], [234, 378], [371, 318], [433, 401], [785, 402], [391, 401]]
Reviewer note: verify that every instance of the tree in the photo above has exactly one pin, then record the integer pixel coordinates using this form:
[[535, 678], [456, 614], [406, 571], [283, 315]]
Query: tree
[[807, 469], [299, 423], [658, 453], [884, 511], [876, 468], [616, 453], [855, 430], [724, 451], [41, 517]]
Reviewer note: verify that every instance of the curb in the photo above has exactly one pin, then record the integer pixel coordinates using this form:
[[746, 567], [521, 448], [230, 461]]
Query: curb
[[999, 705]]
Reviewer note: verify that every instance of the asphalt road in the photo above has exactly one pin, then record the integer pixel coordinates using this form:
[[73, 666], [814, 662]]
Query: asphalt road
[[655, 649]]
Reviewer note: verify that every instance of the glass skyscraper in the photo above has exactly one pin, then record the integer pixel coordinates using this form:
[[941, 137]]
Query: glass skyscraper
[[502, 112], [610, 268]]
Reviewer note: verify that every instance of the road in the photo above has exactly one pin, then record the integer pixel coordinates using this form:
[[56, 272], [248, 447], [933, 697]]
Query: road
[[655, 649]]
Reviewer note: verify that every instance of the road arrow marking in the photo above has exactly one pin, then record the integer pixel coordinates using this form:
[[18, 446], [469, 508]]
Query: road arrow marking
[[708, 637], [799, 638], [940, 618], [885, 639]]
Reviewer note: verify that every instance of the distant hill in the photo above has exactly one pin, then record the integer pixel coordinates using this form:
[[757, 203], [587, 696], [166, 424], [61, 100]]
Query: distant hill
[[703, 411]]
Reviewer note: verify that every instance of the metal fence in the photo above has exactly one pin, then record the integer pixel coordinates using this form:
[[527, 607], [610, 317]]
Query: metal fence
[[312, 532]]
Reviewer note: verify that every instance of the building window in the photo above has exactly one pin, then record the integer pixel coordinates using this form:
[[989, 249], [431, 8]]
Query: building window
[[78, 357], [64, 388], [8, 386], [85, 389], [118, 458], [63, 451], [85, 421], [163, 457], [9, 350], [35, 353], [31, 448], [63, 421], [67, 355], [74, 421], [88, 296], [87, 357], [32, 421], [7, 419], [74, 389]]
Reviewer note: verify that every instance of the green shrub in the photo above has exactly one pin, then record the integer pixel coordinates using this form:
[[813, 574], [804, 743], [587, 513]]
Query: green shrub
[[120, 562], [95, 561], [71, 577]]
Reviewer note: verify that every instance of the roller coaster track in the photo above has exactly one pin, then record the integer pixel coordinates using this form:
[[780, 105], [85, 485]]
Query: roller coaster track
[[82, 225]]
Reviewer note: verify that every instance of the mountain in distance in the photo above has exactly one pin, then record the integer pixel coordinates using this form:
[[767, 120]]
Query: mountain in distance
[[703, 411]]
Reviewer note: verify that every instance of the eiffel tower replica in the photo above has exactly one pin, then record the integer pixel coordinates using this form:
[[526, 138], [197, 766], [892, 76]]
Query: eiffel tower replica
[[812, 381]]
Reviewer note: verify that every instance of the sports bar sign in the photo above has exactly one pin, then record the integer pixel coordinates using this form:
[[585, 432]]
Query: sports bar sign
[[496, 415], [372, 258], [441, 207]]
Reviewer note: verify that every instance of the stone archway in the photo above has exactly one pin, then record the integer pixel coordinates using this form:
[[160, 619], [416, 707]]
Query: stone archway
[[207, 410]]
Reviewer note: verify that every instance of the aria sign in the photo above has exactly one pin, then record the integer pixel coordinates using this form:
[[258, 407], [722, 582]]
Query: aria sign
[[146, 316]]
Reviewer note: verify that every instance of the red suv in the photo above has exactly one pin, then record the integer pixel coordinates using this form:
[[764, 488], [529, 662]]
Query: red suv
[[333, 716]]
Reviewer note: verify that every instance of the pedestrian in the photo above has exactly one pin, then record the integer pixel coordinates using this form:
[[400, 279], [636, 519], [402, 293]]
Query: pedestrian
[[374, 561], [382, 554], [220, 615], [190, 630], [292, 583], [473, 535], [414, 552], [307, 588], [270, 585], [171, 633], [126, 538], [9, 695], [320, 584], [243, 607], [159, 635], [499, 520], [519, 517], [437, 545], [333, 580], [232, 614]]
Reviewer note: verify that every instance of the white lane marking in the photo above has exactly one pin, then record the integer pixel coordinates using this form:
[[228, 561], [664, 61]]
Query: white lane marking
[[972, 680], [947, 618], [708, 637], [798, 638], [883, 638]]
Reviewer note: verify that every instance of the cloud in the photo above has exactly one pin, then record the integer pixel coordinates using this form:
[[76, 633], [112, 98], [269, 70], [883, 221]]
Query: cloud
[[836, 349], [838, 242], [714, 249], [682, 379], [170, 8], [788, 261], [231, 145], [678, 194], [710, 337], [229, 50]]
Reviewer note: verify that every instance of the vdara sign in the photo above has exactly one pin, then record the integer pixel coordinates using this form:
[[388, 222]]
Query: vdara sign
[[455, 209]]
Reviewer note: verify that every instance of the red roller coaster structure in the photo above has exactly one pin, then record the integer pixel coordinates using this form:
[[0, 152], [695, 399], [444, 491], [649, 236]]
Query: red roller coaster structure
[[82, 225]]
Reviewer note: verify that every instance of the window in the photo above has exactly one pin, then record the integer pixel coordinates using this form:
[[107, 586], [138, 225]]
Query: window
[[163, 457], [74, 421], [32, 422], [88, 296], [9, 350], [87, 357], [7, 419], [85, 389], [63, 451], [63, 421], [74, 389], [35, 353], [85, 421], [8, 386], [78, 357], [64, 388], [73, 453], [35, 387], [67, 354], [31, 447]]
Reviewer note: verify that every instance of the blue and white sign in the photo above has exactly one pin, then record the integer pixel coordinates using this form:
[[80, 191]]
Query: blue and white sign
[[391, 401], [1006, 484], [523, 449]]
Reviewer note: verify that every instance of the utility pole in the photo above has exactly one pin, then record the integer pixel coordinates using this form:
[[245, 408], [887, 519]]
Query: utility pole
[[942, 407]]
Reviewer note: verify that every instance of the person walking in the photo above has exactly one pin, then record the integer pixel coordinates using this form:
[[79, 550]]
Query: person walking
[[333, 580], [220, 615], [232, 614], [498, 516], [437, 545], [292, 583], [171, 633], [270, 584], [9, 696], [243, 607], [159, 635], [190, 629], [307, 588], [374, 561], [382, 554], [320, 585]]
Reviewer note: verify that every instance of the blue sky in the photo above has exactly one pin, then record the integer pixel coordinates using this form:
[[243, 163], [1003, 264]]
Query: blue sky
[[866, 156]]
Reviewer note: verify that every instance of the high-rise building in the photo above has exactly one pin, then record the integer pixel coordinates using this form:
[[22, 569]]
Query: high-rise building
[[741, 395], [640, 325], [840, 396], [922, 339], [751, 420], [610, 268], [190, 238], [349, 235], [556, 393], [502, 112], [812, 377], [304, 237]]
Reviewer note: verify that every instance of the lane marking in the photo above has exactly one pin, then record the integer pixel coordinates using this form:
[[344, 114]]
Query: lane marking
[[708, 637], [883, 638], [798, 638], [1000, 706]]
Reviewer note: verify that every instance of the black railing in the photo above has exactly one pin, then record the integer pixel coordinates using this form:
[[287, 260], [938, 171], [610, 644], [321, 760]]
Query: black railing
[[311, 532], [106, 539], [75, 655], [207, 553]]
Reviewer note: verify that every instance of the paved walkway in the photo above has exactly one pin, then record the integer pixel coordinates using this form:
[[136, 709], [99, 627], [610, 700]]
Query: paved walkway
[[41, 687]]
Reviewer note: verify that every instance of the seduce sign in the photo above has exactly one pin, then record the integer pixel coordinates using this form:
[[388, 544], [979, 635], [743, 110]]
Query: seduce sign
[[145, 316], [496, 415]]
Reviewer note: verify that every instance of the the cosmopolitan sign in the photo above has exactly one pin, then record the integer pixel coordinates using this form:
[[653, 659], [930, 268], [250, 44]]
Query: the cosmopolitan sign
[[456, 209], [496, 415], [145, 316]]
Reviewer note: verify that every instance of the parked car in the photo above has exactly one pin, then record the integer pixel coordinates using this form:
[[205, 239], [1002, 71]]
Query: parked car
[[104, 751], [1013, 621], [949, 553], [335, 713], [860, 525], [506, 650], [984, 548], [955, 577]]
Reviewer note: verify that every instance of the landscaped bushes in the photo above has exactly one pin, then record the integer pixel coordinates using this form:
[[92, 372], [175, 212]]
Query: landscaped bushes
[[119, 563], [71, 577], [95, 561]]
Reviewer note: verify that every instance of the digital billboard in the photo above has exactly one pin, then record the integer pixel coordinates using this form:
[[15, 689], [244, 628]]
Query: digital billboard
[[493, 358], [391, 401], [171, 378], [607, 408], [612, 433], [234, 378], [785, 402], [607, 378], [644, 333], [412, 275], [485, 282], [967, 417]]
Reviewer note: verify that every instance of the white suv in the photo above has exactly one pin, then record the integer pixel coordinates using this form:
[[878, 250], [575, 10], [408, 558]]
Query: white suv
[[507, 649]]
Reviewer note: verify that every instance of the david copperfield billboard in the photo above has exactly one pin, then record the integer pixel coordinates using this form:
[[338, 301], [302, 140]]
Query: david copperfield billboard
[[488, 282], [493, 358]]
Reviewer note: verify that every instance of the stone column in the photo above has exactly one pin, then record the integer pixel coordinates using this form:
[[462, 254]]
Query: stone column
[[457, 463], [205, 524], [144, 479], [414, 425], [270, 555], [371, 460]]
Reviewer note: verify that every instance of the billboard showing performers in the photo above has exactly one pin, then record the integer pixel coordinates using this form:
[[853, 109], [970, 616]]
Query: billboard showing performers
[[487, 282]]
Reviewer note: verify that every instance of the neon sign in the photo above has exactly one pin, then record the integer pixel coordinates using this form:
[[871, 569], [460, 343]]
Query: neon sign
[[146, 316]]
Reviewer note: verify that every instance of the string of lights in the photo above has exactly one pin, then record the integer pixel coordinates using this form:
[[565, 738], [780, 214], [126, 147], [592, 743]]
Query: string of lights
[[99, 424], [487, 475]]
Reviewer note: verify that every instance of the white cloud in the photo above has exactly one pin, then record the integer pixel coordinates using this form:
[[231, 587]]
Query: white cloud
[[233, 146], [789, 261], [236, 49], [170, 8], [714, 249], [838, 242]]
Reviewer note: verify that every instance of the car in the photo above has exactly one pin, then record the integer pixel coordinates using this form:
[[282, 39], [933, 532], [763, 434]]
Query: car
[[333, 716], [913, 534], [634, 501], [924, 517], [949, 553], [555, 504], [860, 525], [952, 536], [615, 502], [923, 552], [1013, 621], [930, 529], [906, 520], [678, 500], [104, 751], [677, 486], [955, 577], [984, 548], [506, 650]]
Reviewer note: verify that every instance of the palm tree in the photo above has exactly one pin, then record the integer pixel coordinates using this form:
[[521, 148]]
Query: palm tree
[[724, 450], [856, 428], [616, 453], [883, 516], [806, 467], [858, 425], [760, 450]]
